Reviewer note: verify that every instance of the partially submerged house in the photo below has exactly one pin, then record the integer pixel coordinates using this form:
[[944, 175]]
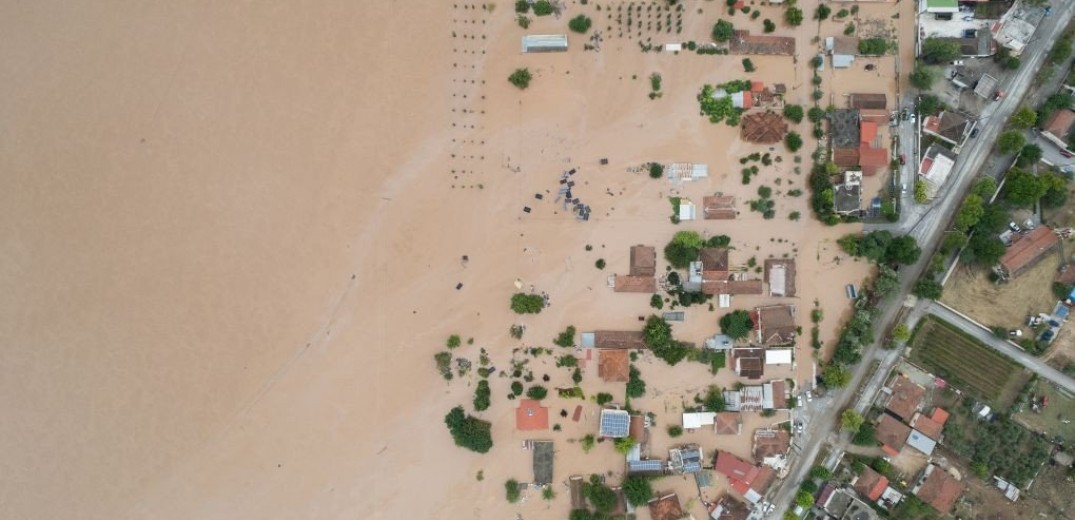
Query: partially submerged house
[[695, 420], [728, 423], [780, 276], [842, 50], [775, 395], [666, 507], [613, 339], [719, 207], [614, 366], [685, 459], [643, 269], [939, 489], [748, 362], [728, 508], [748, 480], [543, 455], [892, 434], [530, 415], [774, 325], [868, 101], [847, 197], [745, 399], [614, 424], [937, 165], [1059, 127], [686, 172], [771, 448], [532, 43], [948, 126], [763, 127], [745, 43], [904, 397], [1027, 250], [712, 273]]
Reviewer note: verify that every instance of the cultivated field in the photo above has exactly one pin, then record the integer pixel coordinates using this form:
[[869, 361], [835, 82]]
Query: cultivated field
[[1051, 420], [966, 364], [1001, 305]]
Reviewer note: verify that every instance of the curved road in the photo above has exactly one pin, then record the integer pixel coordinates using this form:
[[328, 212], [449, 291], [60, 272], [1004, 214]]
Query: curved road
[[1020, 356]]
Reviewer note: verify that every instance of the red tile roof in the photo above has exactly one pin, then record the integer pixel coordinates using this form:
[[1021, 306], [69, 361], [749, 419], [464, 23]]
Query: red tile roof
[[872, 159], [940, 490], [906, 397], [940, 415], [634, 284], [867, 132], [728, 423], [1027, 249], [530, 415], [666, 508], [892, 434], [757, 86], [927, 426], [1060, 123], [613, 366], [871, 484]]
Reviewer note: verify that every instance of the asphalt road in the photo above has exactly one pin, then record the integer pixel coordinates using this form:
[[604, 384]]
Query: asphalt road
[[1002, 346], [927, 231]]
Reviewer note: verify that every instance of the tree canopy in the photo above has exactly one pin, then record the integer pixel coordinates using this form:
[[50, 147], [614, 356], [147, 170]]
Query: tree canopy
[[723, 31], [985, 187], [936, 50], [1056, 191], [794, 16], [850, 420], [793, 141], [637, 490], [1024, 118], [520, 78], [922, 78], [794, 113], [835, 376], [736, 324], [1010, 141], [523, 303], [683, 249], [468, 431], [1029, 155], [873, 46], [657, 335], [882, 247], [972, 209], [1022, 188], [928, 288], [580, 24]]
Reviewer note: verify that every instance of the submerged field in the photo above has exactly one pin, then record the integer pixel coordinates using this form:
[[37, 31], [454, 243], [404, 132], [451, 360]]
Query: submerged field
[[966, 364]]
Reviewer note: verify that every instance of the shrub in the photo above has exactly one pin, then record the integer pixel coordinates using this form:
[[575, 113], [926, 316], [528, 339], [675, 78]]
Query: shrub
[[675, 431], [656, 170], [815, 114], [820, 473], [511, 491], [637, 490], [736, 324], [454, 341], [580, 24], [793, 141], [522, 6], [935, 50], [444, 364], [927, 287], [523, 303], [866, 436], [600, 263], [794, 113], [543, 8], [636, 387], [516, 388], [603, 398], [723, 31], [922, 78], [794, 16], [769, 25], [656, 302], [481, 396], [537, 392], [851, 420], [873, 46], [748, 65], [849, 29], [520, 78], [822, 12]]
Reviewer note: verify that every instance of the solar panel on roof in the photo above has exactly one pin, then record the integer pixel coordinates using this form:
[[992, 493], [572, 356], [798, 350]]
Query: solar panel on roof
[[692, 467], [615, 425], [645, 465]]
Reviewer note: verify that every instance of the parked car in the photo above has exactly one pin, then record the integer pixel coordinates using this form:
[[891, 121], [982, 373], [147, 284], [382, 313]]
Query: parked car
[[809, 396], [1065, 153], [903, 158], [903, 188], [974, 133], [1014, 227]]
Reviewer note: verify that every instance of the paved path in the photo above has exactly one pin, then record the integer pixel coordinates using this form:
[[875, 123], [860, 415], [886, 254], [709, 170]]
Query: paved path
[[1020, 356]]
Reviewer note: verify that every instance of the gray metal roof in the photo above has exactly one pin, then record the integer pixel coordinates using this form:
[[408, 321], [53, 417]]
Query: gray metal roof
[[920, 442], [544, 43], [615, 423], [543, 462]]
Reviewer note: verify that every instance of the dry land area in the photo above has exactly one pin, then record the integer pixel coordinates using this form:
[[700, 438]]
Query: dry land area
[[966, 364], [1007, 305], [1056, 419]]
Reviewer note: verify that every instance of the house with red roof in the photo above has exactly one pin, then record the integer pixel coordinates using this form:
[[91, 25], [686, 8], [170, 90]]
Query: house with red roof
[[748, 480], [870, 484], [530, 415]]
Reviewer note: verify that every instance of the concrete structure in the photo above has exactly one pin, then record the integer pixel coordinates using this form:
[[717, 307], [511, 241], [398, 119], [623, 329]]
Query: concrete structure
[[1027, 250], [778, 356], [532, 43], [780, 276], [695, 420], [920, 442], [685, 459], [686, 172], [1015, 29], [949, 127], [686, 210], [542, 462], [775, 395], [847, 197], [728, 423], [986, 87]]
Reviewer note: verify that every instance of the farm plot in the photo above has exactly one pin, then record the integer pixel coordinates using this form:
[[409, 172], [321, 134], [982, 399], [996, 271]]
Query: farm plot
[[966, 363]]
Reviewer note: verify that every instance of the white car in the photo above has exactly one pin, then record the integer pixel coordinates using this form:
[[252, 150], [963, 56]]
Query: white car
[[809, 397]]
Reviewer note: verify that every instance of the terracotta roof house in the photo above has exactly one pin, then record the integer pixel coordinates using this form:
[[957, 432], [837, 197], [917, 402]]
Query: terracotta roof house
[[748, 480], [717, 278], [714, 259], [634, 284], [867, 132], [771, 446], [732, 286], [719, 207], [728, 423], [613, 366], [892, 434], [906, 396], [614, 339], [949, 127], [869, 101], [744, 43], [872, 160], [666, 507], [774, 324], [779, 394], [939, 489], [530, 415], [1059, 127], [749, 362], [1027, 250], [637, 428], [933, 426], [780, 276], [879, 116], [871, 484], [643, 260], [845, 157], [763, 127], [728, 508]]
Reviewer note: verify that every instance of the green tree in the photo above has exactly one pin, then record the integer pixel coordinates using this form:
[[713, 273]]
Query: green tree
[[815, 114], [543, 8], [1022, 188], [481, 396], [984, 250], [866, 436], [656, 170], [768, 26], [1029, 155], [581, 514], [714, 399], [850, 420], [985, 187], [820, 473], [657, 333], [835, 376], [921, 196], [656, 302], [601, 496], [748, 65], [1056, 191], [683, 249], [1024, 118], [624, 445], [922, 78], [903, 250], [873, 46], [936, 50], [523, 303], [520, 78], [886, 283], [953, 241], [928, 288], [793, 16], [972, 209], [793, 141], [511, 490], [469, 432], [901, 333], [794, 113], [929, 104], [822, 12], [587, 443], [580, 24], [637, 490], [566, 338], [736, 324], [454, 341], [636, 387], [537, 392], [804, 500], [675, 430], [1010, 141], [522, 6], [516, 388], [723, 31]]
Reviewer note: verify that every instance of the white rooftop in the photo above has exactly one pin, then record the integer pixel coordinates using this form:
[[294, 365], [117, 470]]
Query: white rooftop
[[780, 356], [694, 420]]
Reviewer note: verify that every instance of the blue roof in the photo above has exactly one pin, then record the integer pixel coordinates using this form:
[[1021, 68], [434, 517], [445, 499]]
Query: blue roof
[[615, 423]]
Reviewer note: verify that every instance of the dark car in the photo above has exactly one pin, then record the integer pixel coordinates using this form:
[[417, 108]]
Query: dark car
[[974, 133]]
